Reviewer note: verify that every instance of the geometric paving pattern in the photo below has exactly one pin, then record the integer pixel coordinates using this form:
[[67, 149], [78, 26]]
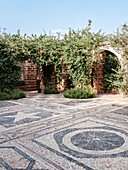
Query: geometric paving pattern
[[6, 104], [123, 111], [21, 160], [87, 139], [11, 119], [97, 140], [50, 132]]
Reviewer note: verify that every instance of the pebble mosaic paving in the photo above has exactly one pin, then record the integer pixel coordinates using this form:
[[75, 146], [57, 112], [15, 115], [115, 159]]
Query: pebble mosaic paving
[[50, 132]]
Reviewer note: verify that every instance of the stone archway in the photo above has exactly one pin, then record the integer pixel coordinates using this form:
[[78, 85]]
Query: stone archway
[[112, 50], [98, 67]]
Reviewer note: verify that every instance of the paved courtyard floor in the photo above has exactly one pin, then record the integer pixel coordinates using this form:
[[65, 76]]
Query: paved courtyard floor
[[50, 132]]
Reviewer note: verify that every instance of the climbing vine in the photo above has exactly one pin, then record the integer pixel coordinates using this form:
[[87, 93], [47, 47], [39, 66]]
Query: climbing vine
[[119, 40], [111, 66], [77, 49], [9, 69]]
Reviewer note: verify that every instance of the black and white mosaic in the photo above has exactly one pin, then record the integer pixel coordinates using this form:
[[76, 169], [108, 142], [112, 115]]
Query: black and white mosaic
[[97, 140], [11, 119], [74, 102], [6, 104], [86, 140], [23, 161], [122, 111], [3, 139], [51, 132], [81, 141]]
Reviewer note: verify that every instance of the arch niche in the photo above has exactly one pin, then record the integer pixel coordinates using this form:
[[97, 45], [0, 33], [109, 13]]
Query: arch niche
[[98, 69]]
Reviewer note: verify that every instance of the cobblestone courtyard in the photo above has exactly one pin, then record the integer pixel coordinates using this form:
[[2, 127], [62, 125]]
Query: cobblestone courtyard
[[50, 132]]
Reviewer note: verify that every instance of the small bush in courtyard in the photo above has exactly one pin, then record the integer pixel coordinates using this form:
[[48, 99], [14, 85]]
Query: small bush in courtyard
[[50, 90], [79, 93], [11, 94]]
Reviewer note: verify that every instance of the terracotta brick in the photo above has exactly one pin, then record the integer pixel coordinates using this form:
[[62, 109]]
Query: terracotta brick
[[30, 73]]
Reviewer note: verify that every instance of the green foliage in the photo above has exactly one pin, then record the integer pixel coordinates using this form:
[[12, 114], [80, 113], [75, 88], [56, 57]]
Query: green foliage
[[11, 94], [111, 65], [80, 93], [80, 51], [121, 81], [9, 69], [119, 40], [50, 90], [77, 49]]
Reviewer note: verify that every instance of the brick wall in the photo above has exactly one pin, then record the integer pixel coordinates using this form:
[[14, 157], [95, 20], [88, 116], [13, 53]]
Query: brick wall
[[30, 76], [98, 75], [64, 83]]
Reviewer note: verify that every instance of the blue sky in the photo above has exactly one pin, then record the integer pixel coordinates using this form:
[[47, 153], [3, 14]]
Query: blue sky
[[34, 16]]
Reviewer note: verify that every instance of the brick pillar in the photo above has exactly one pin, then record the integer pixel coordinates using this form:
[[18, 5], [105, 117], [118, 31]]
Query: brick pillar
[[53, 81], [64, 83], [30, 75], [98, 76]]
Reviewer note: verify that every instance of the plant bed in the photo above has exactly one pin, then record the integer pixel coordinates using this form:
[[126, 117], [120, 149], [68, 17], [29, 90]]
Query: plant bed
[[12, 94], [80, 93], [50, 90]]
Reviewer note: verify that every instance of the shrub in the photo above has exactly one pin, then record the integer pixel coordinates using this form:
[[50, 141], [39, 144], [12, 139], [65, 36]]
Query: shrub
[[9, 69], [111, 65], [50, 90], [11, 94], [79, 93]]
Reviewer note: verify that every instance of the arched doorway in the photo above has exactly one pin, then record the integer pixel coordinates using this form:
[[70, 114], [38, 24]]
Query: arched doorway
[[104, 73], [111, 65]]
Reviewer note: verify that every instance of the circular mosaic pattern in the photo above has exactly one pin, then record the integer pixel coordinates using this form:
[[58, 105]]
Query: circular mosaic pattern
[[93, 142], [97, 140]]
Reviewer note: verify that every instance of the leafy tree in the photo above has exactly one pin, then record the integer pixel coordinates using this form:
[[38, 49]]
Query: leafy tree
[[9, 69], [120, 41], [78, 50], [111, 65]]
